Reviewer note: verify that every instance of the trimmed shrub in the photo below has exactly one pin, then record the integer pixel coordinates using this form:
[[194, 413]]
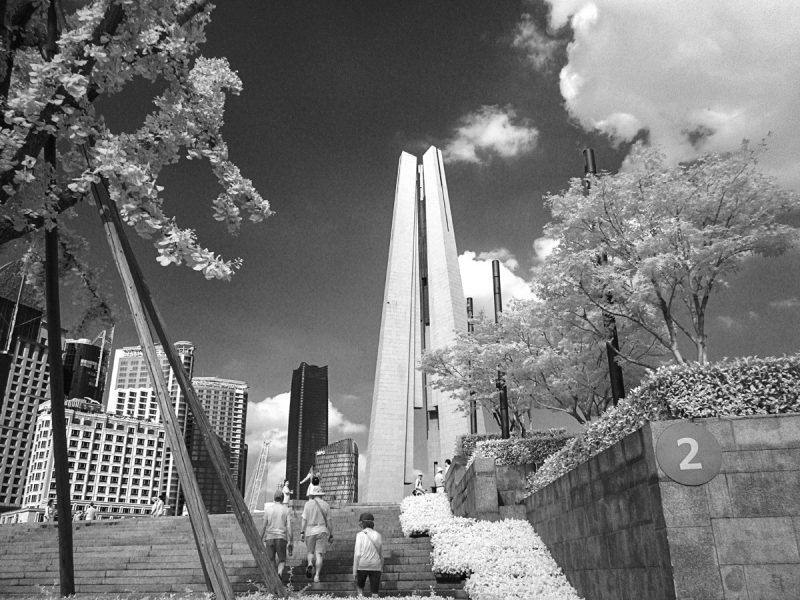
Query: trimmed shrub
[[465, 444], [534, 448], [744, 386]]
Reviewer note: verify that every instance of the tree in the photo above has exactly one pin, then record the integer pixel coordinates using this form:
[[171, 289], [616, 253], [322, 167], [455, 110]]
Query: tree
[[103, 46], [672, 235], [549, 361]]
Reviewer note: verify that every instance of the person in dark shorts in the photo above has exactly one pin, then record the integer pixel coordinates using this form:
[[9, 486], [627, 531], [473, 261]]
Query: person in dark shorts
[[368, 555], [277, 531]]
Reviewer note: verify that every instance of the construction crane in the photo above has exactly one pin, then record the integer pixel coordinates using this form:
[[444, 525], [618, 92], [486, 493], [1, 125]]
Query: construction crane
[[258, 477]]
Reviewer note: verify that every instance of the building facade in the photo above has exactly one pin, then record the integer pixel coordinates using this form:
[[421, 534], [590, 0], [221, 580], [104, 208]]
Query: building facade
[[423, 307], [132, 395], [308, 421], [337, 465], [24, 381], [225, 404], [117, 462], [85, 367]]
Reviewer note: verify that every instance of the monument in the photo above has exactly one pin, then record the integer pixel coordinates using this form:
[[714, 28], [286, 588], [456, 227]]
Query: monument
[[423, 307]]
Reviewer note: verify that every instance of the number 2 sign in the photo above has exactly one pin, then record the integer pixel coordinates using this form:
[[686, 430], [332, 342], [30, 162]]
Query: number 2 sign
[[688, 453]]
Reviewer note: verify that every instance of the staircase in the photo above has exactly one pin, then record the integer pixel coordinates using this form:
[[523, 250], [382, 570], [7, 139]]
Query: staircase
[[406, 564], [159, 556]]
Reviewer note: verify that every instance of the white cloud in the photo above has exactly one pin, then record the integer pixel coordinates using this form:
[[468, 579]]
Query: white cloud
[[728, 322], [476, 279], [269, 420], [543, 247], [787, 303], [491, 130], [539, 48], [698, 76]]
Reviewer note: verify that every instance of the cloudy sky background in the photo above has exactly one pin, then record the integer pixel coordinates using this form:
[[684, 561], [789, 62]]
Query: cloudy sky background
[[512, 91]]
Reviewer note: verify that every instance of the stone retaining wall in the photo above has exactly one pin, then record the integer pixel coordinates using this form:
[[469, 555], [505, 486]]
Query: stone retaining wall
[[620, 528]]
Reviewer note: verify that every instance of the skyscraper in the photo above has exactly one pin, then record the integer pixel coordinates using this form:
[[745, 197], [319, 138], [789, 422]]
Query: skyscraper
[[132, 395], [85, 366], [24, 379], [308, 421], [337, 465], [423, 307], [225, 403]]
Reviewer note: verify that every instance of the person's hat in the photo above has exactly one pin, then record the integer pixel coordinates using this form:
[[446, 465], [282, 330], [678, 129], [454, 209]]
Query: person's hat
[[315, 490], [440, 470], [366, 517]]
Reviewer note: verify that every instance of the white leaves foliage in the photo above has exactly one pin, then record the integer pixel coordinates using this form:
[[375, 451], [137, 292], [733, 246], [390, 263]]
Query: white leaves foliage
[[105, 46]]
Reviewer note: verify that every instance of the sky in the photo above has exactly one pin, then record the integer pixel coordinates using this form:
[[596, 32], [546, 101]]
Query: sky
[[511, 91]]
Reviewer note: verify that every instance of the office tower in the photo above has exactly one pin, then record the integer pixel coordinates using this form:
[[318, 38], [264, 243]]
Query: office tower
[[337, 465], [225, 404], [132, 395], [308, 421], [85, 366], [116, 462], [208, 481], [423, 307], [24, 379]]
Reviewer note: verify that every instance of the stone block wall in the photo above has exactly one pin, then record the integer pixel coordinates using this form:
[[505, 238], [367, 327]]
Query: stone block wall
[[620, 528], [603, 524], [487, 491]]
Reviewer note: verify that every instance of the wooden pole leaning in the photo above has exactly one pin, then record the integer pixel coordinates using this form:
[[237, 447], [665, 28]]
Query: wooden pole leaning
[[58, 421], [265, 565], [204, 536]]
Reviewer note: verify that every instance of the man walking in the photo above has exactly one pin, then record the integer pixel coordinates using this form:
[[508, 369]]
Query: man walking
[[316, 529], [277, 531], [91, 512]]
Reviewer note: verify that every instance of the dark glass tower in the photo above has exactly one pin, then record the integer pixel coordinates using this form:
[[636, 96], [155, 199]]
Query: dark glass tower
[[337, 465], [308, 422], [85, 366]]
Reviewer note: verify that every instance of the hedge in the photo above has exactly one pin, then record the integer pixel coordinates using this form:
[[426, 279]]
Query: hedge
[[744, 386], [534, 448]]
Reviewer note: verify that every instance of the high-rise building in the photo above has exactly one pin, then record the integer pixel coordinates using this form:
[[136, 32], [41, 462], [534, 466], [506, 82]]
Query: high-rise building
[[308, 421], [225, 404], [337, 465], [132, 395], [24, 380], [117, 462], [423, 307], [85, 366], [208, 481]]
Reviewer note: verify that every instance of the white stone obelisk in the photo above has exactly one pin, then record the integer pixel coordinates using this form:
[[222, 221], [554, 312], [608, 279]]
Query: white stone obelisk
[[423, 307]]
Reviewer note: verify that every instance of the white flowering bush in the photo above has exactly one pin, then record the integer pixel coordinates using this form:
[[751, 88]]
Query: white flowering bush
[[418, 514], [745, 386], [502, 560], [534, 448]]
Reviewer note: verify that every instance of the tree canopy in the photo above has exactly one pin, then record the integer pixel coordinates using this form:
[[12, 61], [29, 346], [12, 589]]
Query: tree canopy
[[647, 246]]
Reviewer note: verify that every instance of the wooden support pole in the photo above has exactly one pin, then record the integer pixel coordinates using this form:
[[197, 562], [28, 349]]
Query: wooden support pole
[[265, 564], [204, 536], [58, 422]]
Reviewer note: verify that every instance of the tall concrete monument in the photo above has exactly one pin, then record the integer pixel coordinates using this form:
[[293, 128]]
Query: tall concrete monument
[[423, 307]]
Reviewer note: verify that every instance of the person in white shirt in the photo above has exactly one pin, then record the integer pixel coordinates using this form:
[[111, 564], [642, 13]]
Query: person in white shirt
[[158, 509], [277, 531], [315, 529], [50, 511], [419, 489], [438, 480], [287, 492], [368, 556], [91, 512]]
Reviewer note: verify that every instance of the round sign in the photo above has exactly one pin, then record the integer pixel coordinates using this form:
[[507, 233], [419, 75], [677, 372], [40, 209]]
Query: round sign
[[688, 453]]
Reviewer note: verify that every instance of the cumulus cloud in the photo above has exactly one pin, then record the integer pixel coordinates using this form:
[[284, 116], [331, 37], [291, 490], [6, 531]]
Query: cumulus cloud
[[542, 248], [538, 46], [476, 279], [491, 130], [696, 76], [269, 420], [786, 304]]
